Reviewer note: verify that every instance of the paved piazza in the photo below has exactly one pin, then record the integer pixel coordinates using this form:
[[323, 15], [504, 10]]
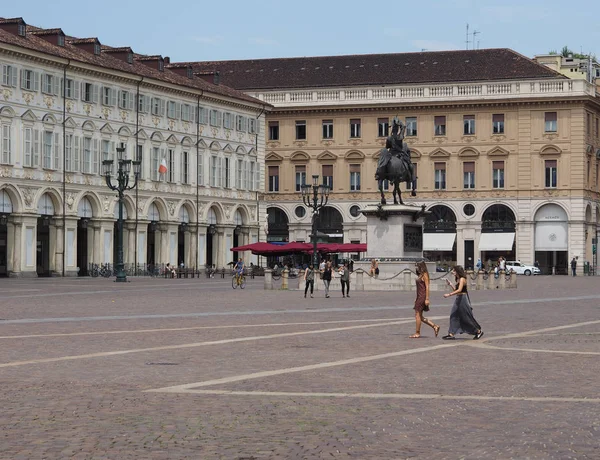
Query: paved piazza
[[170, 369]]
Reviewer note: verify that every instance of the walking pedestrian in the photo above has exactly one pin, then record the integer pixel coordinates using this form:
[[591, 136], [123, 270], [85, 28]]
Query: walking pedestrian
[[461, 316], [574, 266], [309, 279], [327, 275], [345, 279], [422, 301]]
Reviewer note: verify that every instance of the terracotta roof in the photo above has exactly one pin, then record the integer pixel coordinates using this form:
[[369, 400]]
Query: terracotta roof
[[108, 62], [46, 31], [377, 69], [11, 20], [78, 41], [122, 49]]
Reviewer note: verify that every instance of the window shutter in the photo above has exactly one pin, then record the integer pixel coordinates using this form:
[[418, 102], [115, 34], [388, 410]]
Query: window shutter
[[113, 97], [192, 114], [77, 154], [95, 91], [27, 138], [62, 87], [497, 164], [178, 110], [5, 76], [469, 167], [82, 86], [219, 172], [13, 76], [36, 81], [75, 86], [56, 151], [129, 101], [23, 79], [36, 148], [440, 166], [95, 157], [112, 152], [550, 163], [55, 82], [162, 107], [497, 118]]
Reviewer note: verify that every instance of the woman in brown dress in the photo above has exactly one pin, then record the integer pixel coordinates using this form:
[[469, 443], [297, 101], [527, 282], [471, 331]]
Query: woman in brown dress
[[422, 302]]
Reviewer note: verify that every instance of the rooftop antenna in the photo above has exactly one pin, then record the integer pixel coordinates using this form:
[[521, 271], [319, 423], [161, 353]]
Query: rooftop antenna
[[467, 41], [475, 33]]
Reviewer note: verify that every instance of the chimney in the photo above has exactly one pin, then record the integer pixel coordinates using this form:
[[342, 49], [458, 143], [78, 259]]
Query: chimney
[[167, 60], [91, 45], [124, 53], [54, 36], [217, 78], [155, 62], [15, 26]]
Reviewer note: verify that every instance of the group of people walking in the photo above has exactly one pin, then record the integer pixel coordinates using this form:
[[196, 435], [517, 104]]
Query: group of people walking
[[461, 316], [326, 274]]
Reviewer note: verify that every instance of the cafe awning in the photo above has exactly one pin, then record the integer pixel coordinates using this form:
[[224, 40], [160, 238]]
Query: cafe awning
[[438, 241], [496, 241]]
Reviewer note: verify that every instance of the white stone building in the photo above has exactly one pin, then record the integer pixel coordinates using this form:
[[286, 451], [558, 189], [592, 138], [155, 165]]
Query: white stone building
[[66, 104]]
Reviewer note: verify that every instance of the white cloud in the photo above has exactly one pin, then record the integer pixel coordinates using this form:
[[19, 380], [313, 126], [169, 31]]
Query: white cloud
[[208, 40], [263, 41], [434, 45]]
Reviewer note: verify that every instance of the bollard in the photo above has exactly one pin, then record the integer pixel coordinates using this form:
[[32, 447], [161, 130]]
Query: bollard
[[360, 281], [502, 279], [284, 279], [268, 279], [479, 285], [407, 280], [491, 280], [301, 283], [513, 279]]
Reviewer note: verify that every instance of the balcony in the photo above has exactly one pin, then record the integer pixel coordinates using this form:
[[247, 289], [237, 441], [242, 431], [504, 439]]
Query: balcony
[[429, 93]]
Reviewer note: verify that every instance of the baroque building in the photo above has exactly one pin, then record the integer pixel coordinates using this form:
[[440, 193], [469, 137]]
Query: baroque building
[[506, 150], [67, 104]]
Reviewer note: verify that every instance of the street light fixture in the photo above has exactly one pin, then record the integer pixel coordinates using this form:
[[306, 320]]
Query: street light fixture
[[315, 196], [122, 185]]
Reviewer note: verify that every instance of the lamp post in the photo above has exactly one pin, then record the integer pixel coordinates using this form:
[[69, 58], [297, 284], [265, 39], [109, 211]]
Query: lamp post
[[316, 200], [122, 185]]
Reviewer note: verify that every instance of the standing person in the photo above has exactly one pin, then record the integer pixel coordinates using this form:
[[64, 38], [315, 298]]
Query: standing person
[[345, 279], [574, 266], [502, 264], [422, 300], [327, 275], [479, 265], [309, 279], [461, 316]]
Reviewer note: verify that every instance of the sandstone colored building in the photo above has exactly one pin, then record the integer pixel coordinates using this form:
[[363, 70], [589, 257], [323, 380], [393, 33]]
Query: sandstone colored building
[[66, 104], [506, 150]]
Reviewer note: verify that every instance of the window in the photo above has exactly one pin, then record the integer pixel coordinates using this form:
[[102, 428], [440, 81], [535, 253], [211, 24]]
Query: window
[[97, 49], [139, 156], [70, 88], [109, 96], [300, 177], [22, 30], [439, 124], [411, 126], [144, 104], [156, 157], [241, 123], [440, 176], [106, 151], [300, 212], [239, 173], [355, 128], [550, 173], [125, 100], [408, 185], [129, 58], [227, 173], [161, 65], [383, 127], [9, 75], [203, 115], [171, 171], [498, 174], [47, 152], [327, 129], [49, 84], [69, 153], [6, 145], [468, 210], [158, 107], [28, 146], [498, 123], [469, 174], [354, 178], [174, 110], [550, 122], [355, 210], [468, 125], [273, 130], [200, 169], [327, 171], [188, 113], [228, 120], [253, 178], [89, 92], [185, 168], [300, 129], [213, 171], [273, 178], [215, 118], [30, 80], [252, 125]]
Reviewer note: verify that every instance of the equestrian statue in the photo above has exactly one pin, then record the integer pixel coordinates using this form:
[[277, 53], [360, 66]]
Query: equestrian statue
[[395, 164]]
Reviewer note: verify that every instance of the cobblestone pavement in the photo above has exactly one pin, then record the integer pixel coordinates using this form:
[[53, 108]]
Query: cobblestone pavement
[[174, 369]]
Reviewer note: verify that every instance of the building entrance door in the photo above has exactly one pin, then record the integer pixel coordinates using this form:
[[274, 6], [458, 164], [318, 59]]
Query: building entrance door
[[82, 247], [469, 262], [43, 247], [3, 250]]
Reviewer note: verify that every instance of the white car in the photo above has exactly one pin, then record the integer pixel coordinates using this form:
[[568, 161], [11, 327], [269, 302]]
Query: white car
[[521, 268]]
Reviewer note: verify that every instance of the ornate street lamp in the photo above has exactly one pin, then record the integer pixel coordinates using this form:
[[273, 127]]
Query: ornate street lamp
[[315, 196], [122, 185]]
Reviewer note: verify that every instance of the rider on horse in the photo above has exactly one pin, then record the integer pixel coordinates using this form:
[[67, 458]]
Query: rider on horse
[[395, 146]]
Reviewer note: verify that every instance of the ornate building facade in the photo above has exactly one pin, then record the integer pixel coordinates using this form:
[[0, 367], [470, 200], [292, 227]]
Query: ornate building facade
[[66, 104], [506, 150]]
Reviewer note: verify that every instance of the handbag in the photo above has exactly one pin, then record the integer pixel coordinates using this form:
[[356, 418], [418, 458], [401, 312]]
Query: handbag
[[377, 271]]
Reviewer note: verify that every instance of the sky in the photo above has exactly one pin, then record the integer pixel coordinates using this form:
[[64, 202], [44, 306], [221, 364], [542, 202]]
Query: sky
[[248, 29]]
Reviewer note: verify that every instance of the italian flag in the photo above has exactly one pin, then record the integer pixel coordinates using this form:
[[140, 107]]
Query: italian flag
[[162, 169]]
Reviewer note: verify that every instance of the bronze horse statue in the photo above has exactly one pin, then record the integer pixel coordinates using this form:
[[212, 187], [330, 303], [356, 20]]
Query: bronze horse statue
[[395, 165]]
